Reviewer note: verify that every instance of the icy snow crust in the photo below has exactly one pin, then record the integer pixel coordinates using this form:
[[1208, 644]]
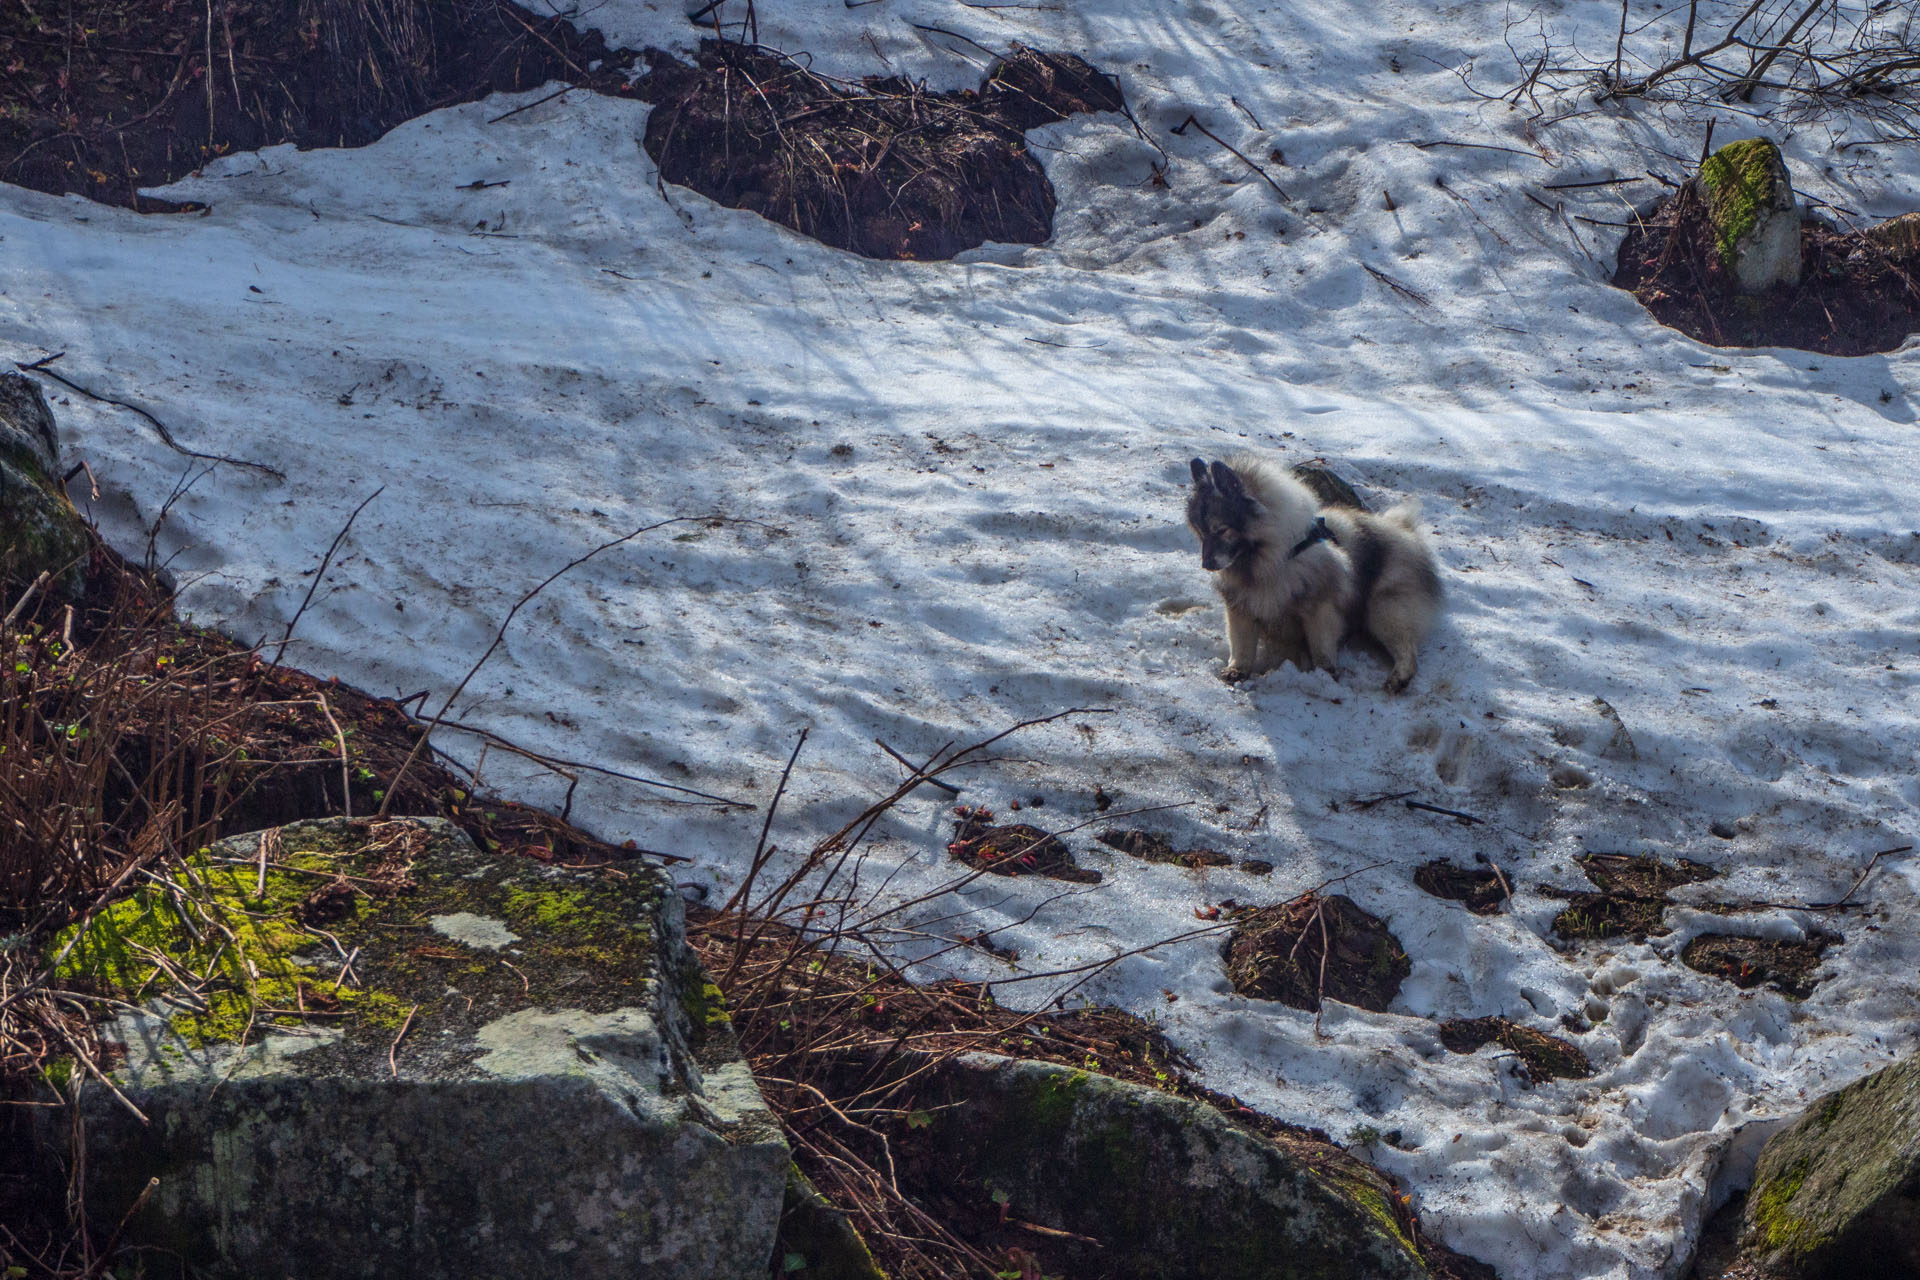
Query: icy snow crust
[[960, 490]]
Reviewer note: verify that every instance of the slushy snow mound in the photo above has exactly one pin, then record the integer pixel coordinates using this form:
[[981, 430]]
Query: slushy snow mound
[[954, 500]]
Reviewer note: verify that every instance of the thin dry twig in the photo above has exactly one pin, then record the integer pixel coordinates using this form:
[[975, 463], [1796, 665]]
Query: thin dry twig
[[346, 770], [42, 368], [319, 574], [393, 1063], [500, 635], [1264, 175]]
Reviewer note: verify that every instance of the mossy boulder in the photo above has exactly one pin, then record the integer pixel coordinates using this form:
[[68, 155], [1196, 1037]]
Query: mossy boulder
[[39, 529], [403, 1057], [1751, 210], [1836, 1195], [1131, 1183]]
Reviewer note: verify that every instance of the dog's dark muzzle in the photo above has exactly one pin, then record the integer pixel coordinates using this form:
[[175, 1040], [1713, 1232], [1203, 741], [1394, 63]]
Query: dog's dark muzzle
[[1216, 555]]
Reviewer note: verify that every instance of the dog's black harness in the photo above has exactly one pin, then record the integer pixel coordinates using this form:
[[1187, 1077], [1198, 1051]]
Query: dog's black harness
[[1318, 533]]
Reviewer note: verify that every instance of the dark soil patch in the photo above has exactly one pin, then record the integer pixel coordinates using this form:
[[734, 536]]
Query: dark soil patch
[[1632, 899], [884, 168], [1854, 297], [1787, 967], [1601, 915], [1151, 846], [102, 97], [1015, 850], [1481, 891], [1642, 876], [1316, 945], [1545, 1057]]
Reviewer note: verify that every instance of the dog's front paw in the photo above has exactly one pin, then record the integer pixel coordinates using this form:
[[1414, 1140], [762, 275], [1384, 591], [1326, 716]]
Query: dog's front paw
[[1234, 675], [1398, 683]]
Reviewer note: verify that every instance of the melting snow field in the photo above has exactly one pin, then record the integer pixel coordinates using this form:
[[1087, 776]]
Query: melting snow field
[[957, 498]]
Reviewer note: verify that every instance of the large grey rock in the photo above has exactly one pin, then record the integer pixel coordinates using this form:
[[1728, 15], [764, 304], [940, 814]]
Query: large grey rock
[[530, 1078], [39, 529], [1836, 1195], [1167, 1186], [1755, 219]]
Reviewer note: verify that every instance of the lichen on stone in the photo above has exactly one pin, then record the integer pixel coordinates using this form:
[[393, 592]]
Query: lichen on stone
[[1780, 1230]]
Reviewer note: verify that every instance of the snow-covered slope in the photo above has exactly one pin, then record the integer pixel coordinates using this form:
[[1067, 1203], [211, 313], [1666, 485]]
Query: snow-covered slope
[[957, 490]]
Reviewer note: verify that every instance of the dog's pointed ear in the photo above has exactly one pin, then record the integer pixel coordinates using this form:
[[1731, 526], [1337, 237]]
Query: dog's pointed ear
[[1199, 473], [1227, 481]]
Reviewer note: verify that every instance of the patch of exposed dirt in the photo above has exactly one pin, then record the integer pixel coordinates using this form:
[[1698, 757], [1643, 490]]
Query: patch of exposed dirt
[[1151, 846], [1642, 876], [1015, 850], [1483, 892], [102, 97], [884, 167], [1785, 966], [1632, 897], [1316, 945], [1854, 296], [1545, 1057]]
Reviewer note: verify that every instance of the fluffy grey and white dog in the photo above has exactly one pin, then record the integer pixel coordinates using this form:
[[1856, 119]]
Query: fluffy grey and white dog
[[1300, 579]]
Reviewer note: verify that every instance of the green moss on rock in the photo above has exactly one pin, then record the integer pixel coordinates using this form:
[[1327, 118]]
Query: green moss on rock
[[1738, 180], [1751, 209], [1833, 1193], [585, 942], [1779, 1229], [407, 1087]]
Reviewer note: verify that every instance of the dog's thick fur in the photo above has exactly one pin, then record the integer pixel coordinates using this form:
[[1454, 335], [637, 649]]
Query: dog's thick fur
[[1299, 580]]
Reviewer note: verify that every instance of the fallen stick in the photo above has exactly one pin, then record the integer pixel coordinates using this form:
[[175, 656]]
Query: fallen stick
[[947, 787], [40, 367], [516, 111], [1401, 289], [1455, 814], [1361, 806], [346, 774], [1264, 175]]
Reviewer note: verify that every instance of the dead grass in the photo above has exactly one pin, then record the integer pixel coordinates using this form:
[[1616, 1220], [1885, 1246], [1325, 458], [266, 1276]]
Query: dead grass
[[102, 97], [882, 166]]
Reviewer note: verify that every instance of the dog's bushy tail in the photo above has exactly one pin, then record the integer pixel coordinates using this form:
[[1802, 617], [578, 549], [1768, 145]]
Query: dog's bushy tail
[[1406, 514]]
